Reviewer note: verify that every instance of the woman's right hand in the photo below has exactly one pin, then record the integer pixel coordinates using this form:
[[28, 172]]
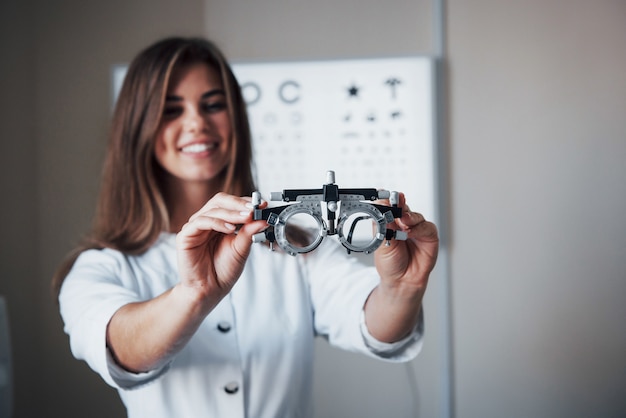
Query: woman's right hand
[[213, 246], [211, 252]]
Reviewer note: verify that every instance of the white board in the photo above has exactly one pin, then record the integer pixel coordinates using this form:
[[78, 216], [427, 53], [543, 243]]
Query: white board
[[369, 120]]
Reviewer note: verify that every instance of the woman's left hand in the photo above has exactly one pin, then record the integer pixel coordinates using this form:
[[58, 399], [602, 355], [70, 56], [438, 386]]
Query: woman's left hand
[[406, 265]]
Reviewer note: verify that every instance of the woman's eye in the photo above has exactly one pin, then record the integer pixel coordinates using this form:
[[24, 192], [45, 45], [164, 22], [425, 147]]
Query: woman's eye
[[172, 112], [214, 107]]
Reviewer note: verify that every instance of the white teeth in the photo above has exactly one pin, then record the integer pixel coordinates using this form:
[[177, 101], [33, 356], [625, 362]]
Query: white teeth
[[197, 148]]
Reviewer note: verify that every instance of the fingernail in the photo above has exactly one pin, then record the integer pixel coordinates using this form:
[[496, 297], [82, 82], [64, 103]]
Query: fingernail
[[229, 226], [244, 213], [249, 205]]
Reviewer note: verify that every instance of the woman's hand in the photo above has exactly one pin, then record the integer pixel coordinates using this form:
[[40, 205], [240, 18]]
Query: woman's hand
[[406, 265], [214, 245], [392, 309], [212, 252]]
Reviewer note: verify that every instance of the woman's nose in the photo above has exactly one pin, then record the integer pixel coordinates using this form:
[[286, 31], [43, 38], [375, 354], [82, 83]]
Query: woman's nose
[[194, 120]]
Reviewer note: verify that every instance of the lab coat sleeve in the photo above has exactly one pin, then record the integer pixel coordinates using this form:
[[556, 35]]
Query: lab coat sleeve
[[340, 286], [99, 283]]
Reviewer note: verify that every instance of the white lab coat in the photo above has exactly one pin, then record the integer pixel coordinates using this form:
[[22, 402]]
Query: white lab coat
[[253, 354]]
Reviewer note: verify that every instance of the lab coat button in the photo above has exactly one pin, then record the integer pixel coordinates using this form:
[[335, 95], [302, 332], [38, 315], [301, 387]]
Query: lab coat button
[[231, 388], [223, 326]]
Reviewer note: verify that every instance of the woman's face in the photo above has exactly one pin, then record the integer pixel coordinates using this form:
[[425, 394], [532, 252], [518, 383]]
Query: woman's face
[[194, 134]]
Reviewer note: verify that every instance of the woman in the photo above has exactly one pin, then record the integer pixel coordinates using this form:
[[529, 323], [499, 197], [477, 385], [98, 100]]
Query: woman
[[167, 299]]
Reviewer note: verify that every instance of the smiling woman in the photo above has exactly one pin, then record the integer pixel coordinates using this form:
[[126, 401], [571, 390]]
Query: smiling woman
[[167, 288], [194, 138], [195, 123]]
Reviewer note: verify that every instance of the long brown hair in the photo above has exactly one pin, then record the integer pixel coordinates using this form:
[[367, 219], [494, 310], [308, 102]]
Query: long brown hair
[[131, 210]]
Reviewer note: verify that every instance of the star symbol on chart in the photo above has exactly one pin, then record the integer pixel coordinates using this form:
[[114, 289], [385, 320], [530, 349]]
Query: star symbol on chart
[[353, 91]]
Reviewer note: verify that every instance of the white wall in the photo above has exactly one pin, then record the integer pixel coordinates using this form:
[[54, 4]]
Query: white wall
[[536, 136]]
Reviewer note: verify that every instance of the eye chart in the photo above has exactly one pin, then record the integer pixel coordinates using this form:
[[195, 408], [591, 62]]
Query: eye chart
[[371, 121]]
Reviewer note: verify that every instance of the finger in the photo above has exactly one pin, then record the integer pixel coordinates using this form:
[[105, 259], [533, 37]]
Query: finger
[[234, 216], [243, 241], [202, 224], [410, 219], [225, 201], [415, 224], [424, 231]]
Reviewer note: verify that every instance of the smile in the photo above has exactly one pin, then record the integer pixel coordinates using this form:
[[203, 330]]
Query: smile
[[199, 148]]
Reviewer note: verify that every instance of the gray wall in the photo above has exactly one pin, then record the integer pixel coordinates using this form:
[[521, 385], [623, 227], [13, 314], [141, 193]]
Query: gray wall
[[19, 256], [536, 139], [538, 197]]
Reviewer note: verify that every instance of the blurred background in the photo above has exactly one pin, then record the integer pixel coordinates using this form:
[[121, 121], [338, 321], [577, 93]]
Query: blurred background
[[529, 300]]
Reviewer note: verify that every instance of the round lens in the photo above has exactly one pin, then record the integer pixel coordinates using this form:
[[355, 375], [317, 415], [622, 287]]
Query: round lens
[[359, 229], [301, 230]]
